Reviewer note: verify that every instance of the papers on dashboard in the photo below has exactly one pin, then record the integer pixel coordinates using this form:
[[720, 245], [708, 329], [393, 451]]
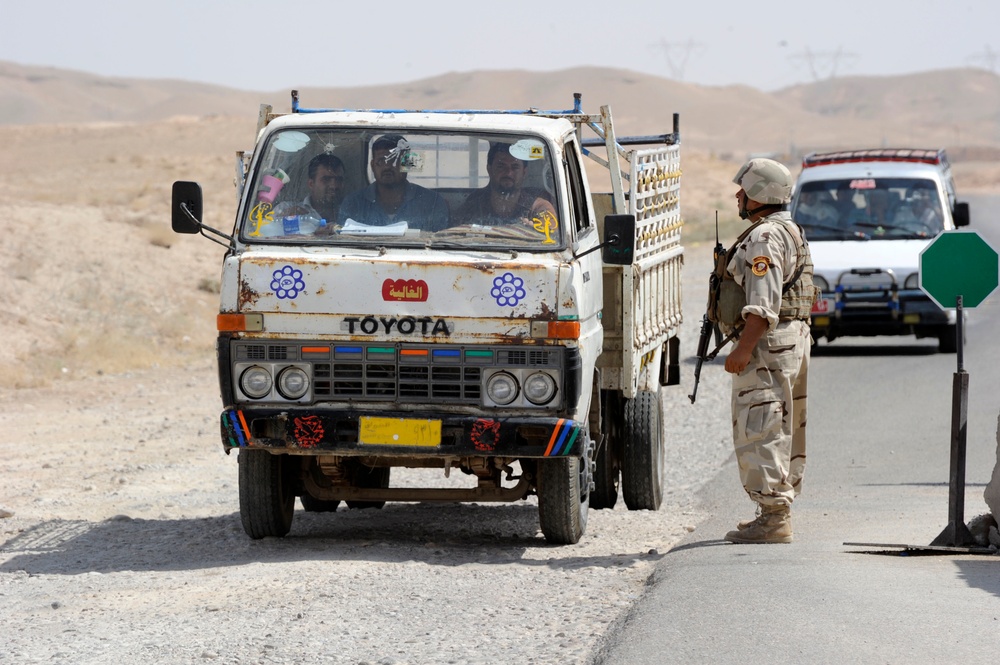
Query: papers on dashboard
[[352, 227]]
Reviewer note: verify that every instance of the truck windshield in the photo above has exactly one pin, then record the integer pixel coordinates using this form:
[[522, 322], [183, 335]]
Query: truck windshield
[[869, 208], [359, 187]]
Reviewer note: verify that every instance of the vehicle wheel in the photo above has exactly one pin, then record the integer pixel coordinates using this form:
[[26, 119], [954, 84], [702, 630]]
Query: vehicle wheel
[[643, 461], [313, 505], [562, 499], [605, 492], [947, 341], [267, 499], [607, 465], [369, 477]]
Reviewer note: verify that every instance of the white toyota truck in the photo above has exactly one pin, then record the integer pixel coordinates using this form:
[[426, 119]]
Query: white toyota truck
[[443, 290], [868, 214]]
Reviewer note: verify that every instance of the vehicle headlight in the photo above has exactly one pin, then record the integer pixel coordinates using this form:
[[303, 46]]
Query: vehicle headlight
[[255, 382], [912, 281], [539, 388], [501, 388], [823, 285], [293, 382]]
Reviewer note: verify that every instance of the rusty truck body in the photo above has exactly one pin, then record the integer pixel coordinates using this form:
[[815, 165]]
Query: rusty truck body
[[527, 351]]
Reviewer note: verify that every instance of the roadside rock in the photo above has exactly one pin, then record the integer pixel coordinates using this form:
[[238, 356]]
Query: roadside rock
[[992, 491]]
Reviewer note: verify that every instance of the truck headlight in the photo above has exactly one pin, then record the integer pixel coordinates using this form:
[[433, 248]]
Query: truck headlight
[[293, 382], [501, 388], [255, 382], [539, 388]]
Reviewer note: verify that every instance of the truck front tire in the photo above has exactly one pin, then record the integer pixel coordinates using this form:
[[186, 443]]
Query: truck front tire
[[563, 484], [267, 498]]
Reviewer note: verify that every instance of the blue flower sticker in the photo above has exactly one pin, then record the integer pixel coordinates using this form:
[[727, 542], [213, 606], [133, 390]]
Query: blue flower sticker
[[287, 283], [508, 290]]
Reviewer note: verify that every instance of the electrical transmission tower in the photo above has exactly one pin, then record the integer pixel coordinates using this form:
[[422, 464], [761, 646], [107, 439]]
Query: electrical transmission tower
[[824, 64], [988, 58], [677, 55]]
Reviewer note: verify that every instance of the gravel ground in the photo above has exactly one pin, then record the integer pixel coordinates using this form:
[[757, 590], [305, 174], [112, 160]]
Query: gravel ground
[[121, 541]]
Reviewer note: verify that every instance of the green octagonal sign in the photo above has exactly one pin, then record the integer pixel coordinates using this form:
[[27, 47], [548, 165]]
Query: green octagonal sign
[[959, 263]]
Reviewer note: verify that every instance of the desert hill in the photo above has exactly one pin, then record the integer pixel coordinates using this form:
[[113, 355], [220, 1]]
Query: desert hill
[[954, 108]]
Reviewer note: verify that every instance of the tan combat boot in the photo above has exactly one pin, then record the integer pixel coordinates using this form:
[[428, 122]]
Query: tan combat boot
[[773, 525], [747, 523]]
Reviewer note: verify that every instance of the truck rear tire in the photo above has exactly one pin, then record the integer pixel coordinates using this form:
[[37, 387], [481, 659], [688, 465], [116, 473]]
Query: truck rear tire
[[607, 466], [267, 499], [370, 477], [643, 461], [562, 499], [310, 504], [605, 492]]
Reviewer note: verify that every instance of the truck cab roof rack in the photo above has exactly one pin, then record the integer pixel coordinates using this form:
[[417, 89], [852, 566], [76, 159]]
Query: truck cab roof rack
[[574, 115], [933, 156]]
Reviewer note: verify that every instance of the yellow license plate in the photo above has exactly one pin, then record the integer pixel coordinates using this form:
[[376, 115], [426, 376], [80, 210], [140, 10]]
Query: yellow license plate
[[399, 432]]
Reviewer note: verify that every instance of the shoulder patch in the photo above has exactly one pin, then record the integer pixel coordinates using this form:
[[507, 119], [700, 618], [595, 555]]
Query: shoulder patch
[[760, 265]]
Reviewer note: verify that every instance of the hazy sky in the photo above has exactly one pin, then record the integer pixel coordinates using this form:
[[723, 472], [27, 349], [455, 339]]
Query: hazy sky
[[281, 44]]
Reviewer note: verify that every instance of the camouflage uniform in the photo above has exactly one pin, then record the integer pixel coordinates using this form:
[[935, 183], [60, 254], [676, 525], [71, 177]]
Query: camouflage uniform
[[769, 396], [769, 271]]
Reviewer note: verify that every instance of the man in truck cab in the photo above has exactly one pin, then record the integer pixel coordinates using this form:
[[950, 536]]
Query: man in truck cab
[[392, 198], [326, 192], [504, 199], [921, 211]]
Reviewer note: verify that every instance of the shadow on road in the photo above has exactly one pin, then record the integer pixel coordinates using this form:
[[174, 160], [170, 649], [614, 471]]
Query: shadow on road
[[397, 533]]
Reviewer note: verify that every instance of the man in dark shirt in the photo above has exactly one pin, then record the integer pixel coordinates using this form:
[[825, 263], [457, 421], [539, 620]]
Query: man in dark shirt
[[326, 191], [504, 199], [392, 198]]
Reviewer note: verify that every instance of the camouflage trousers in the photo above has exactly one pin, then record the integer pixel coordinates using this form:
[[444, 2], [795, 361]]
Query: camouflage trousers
[[769, 415]]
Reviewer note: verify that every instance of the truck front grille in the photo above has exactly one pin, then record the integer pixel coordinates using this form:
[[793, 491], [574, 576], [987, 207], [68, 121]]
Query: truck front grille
[[398, 373]]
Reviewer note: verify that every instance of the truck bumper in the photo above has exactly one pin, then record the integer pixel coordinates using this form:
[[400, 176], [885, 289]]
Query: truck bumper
[[402, 434], [862, 315]]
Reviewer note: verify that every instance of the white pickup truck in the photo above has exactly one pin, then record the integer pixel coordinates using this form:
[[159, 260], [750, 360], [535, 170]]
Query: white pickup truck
[[868, 214], [447, 293]]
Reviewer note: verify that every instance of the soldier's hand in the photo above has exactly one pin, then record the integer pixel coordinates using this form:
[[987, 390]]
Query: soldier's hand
[[738, 360]]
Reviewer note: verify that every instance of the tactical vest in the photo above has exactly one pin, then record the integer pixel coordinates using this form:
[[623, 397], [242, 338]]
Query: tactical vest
[[726, 298]]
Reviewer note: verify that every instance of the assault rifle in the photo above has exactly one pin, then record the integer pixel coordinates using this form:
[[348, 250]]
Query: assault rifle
[[707, 327]]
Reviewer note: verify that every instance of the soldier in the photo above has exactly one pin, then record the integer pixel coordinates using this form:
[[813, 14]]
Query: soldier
[[770, 272]]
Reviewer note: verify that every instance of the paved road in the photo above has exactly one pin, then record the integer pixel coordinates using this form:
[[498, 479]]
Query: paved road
[[880, 422]]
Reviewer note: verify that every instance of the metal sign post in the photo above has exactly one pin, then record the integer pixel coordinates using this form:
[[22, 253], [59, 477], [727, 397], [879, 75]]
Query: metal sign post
[[957, 534]]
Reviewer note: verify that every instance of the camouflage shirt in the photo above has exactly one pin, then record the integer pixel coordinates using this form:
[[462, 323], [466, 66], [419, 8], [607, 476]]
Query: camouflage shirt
[[763, 261]]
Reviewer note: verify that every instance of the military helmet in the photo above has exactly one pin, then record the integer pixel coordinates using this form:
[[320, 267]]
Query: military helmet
[[765, 181]]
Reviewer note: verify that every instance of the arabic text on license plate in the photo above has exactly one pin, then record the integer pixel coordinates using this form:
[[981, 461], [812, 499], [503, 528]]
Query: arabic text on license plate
[[399, 432]]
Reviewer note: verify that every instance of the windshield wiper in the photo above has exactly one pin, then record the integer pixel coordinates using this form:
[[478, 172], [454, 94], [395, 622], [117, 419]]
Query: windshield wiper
[[837, 229], [908, 233]]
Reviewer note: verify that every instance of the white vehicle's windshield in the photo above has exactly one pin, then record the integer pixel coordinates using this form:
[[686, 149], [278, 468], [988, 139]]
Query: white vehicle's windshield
[[358, 187], [869, 208]]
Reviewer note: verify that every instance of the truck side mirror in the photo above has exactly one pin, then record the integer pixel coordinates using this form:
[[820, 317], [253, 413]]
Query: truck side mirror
[[185, 207], [618, 248], [961, 214]]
